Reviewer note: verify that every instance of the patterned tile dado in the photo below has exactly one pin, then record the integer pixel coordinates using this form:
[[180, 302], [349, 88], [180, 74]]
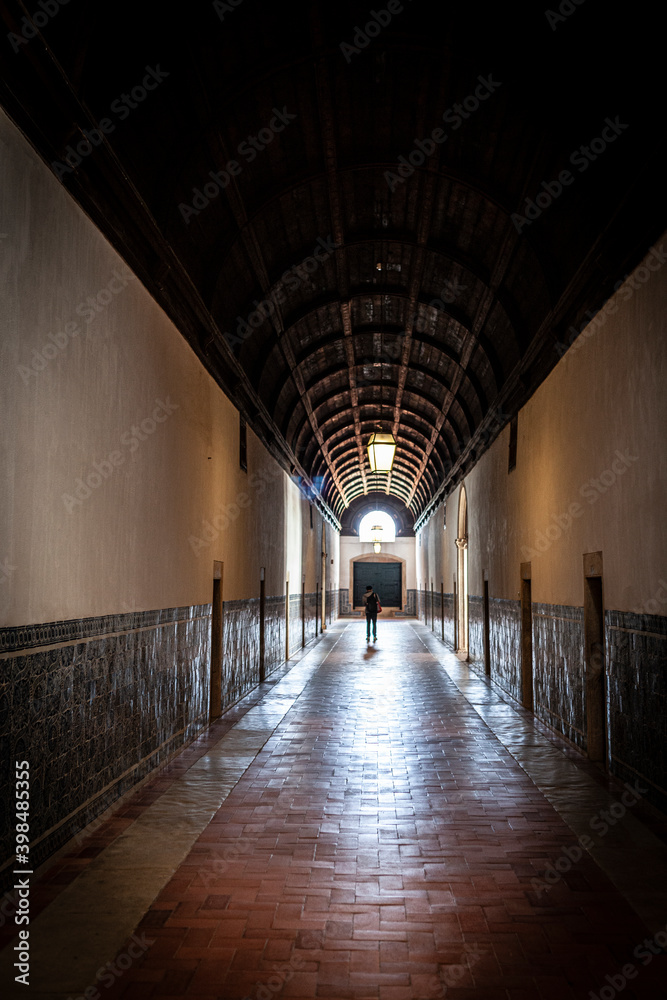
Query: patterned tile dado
[[476, 629], [431, 607], [20, 637], [636, 654], [295, 621], [559, 681], [505, 644], [274, 632], [240, 649], [433, 612], [331, 603], [240, 644], [95, 716], [240, 638], [450, 613], [312, 627], [636, 671], [98, 712], [298, 614]]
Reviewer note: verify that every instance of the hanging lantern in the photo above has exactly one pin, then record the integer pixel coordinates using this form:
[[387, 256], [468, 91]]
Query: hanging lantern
[[381, 448], [376, 537]]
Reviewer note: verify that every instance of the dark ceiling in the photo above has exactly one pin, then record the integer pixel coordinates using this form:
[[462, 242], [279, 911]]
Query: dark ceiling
[[427, 304]]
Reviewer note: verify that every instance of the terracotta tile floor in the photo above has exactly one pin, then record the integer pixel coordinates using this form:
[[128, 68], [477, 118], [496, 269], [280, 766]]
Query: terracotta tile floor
[[382, 843]]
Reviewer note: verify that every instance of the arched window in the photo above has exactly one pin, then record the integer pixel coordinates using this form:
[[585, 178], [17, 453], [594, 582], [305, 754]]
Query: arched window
[[377, 518]]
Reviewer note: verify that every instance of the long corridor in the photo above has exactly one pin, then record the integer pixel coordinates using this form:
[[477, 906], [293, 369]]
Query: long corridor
[[374, 821]]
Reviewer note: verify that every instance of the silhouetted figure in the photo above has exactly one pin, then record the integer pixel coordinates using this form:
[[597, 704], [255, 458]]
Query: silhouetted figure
[[372, 602]]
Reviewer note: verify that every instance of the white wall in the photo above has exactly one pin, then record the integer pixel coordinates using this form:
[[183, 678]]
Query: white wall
[[351, 548], [97, 515], [591, 469]]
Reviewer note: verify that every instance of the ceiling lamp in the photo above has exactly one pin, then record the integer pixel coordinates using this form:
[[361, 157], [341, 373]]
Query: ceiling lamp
[[376, 537], [381, 448]]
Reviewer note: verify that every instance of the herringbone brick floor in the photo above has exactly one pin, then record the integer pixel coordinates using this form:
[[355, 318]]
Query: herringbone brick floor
[[385, 844]]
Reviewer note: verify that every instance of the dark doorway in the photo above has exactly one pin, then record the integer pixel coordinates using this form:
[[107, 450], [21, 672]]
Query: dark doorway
[[385, 578], [596, 693], [215, 699], [526, 638], [487, 630], [262, 616]]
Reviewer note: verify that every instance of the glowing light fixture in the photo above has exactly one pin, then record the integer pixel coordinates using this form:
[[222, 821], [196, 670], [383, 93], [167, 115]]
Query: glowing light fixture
[[376, 537], [381, 449]]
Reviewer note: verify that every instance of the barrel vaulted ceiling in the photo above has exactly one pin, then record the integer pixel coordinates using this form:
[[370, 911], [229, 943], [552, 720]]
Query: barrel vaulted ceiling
[[357, 213]]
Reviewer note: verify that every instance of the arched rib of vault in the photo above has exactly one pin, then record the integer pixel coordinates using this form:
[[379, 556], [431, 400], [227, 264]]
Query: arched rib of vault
[[343, 447], [349, 452], [367, 354], [411, 368], [291, 404], [368, 393], [476, 272], [309, 358], [418, 427], [433, 378], [403, 478], [400, 490], [342, 370], [404, 458], [293, 425], [292, 433], [484, 199], [307, 355], [294, 438], [334, 416], [469, 374], [370, 422], [444, 315], [369, 329], [349, 472], [404, 466]]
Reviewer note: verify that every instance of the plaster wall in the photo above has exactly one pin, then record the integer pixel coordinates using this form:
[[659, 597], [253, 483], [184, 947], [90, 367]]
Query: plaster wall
[[591, 469], [122, 487], [590, 476], [351, 548], [122, 480]]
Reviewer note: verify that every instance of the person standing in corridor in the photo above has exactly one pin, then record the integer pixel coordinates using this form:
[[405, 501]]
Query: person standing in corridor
[[372, 602]]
